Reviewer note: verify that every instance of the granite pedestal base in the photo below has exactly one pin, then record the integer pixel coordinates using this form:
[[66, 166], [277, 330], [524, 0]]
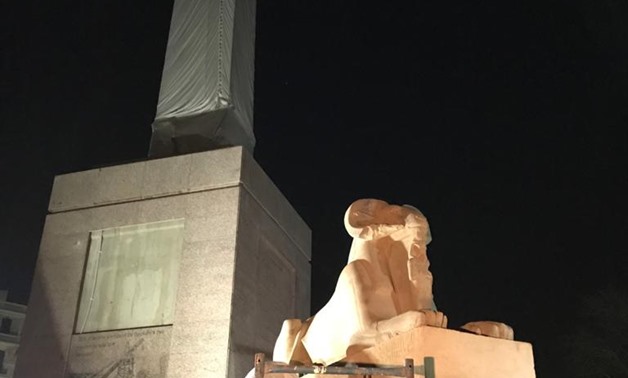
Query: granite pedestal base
[[177, 267]]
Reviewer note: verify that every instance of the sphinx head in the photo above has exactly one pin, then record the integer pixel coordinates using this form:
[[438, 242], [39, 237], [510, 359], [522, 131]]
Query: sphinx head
[[371, 219]]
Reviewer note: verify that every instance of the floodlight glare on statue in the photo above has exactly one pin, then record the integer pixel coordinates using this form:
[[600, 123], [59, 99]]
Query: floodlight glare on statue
[[206, 94]]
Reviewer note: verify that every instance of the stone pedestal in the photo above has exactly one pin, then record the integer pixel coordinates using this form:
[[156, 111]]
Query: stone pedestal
[[456, 354], [177, 267]]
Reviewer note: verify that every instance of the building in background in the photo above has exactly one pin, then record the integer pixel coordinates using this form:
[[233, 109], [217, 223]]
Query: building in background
[[11, 321]]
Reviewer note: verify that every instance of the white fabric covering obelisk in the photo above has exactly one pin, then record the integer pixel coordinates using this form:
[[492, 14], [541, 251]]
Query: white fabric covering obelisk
[[206, 94]]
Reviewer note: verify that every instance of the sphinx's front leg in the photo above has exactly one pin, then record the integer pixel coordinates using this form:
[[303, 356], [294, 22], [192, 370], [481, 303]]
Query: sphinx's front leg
[[376, 304], [368, 300]]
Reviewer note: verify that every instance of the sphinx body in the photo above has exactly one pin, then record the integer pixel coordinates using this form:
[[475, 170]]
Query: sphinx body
[[385, 289]]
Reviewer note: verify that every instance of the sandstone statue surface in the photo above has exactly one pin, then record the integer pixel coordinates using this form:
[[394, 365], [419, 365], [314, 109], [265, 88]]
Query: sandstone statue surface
[[384, 290]]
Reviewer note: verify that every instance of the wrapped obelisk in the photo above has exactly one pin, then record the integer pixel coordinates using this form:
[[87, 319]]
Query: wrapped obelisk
[[206, 93]]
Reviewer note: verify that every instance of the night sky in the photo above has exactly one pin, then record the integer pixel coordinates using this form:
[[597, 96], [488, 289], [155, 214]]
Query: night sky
[[504, 122]]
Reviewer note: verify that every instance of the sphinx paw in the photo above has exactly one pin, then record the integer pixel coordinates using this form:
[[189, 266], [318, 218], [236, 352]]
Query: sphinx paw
[[491, 329]]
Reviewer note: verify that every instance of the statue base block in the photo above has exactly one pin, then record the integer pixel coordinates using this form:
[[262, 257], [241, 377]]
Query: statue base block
[[456, 354]]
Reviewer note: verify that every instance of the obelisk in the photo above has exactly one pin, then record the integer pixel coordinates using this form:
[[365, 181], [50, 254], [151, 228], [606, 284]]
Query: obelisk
[[206, 94]]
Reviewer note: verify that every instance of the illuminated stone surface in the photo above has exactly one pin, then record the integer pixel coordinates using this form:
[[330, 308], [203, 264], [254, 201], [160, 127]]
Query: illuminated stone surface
[[242, 244], [384, 291], [456, 354]]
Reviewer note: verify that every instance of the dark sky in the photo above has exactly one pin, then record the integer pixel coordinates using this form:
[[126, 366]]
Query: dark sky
[[504, 122]]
